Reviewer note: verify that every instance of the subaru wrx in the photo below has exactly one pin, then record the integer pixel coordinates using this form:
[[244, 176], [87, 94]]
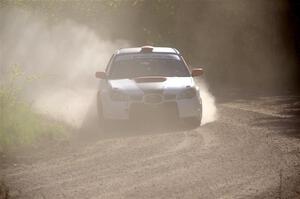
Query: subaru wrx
[[148, 80]]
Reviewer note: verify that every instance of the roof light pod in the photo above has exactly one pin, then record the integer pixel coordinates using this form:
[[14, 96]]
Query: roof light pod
[[147, 49]]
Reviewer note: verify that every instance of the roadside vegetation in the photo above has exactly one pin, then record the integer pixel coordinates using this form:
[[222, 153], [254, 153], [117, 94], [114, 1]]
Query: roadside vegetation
[[20, 125]]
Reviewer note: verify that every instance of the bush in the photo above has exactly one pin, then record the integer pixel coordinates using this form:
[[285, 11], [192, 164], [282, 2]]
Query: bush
[[19, 124]]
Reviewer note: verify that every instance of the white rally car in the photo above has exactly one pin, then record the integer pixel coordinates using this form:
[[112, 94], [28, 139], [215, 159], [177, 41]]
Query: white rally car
[[144, 81]]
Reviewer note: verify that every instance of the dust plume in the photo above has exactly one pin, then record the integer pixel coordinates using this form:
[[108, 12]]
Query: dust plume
[[209, 108], [63, 56]]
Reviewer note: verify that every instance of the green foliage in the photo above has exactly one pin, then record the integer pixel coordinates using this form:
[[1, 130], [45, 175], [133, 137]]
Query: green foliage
[[19, 124]]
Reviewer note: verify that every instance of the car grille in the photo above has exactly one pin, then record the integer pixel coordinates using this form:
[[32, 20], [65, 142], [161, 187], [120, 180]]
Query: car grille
[[169, 96], [153, 91], [162, 110], [153, 99], [136, 97]]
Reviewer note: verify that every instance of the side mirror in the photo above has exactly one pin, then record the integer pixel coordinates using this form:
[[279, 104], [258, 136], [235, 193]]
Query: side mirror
[[101, 75], [197, 72]]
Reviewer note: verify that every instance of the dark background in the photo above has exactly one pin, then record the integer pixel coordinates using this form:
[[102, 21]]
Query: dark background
[[252, 46]]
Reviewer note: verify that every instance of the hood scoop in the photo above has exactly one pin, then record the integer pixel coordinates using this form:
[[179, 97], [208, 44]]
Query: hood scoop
[[147, 79]]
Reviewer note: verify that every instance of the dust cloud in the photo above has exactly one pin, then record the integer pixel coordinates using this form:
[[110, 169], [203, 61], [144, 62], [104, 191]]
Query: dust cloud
[[209, 108], [64, 56]]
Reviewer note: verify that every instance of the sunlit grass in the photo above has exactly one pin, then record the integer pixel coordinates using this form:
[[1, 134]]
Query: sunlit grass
[[19, 124]]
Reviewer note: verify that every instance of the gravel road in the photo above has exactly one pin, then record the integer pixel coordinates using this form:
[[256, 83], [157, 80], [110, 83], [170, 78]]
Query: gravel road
[[251, 151]]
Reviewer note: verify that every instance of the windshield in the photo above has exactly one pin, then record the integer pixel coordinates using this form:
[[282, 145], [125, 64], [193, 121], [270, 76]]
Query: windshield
[[137, 65]]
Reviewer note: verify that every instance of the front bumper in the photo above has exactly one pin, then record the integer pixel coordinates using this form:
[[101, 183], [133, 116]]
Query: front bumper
[[159, 111], [136, 108]]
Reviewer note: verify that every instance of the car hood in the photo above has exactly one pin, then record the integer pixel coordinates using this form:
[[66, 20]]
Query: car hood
[[164, 84]]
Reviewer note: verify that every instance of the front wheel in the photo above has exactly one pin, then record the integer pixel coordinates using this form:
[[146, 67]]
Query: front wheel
[[103, 122], [195, 121]]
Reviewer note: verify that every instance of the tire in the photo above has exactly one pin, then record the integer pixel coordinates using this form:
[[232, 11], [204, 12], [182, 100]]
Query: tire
[[195, 121], [103, 123]]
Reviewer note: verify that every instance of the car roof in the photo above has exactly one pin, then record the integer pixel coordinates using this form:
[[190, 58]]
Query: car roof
[[152, 49]]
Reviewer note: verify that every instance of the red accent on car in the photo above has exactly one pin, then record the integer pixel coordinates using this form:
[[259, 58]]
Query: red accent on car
[[150, 79], [146, 49]]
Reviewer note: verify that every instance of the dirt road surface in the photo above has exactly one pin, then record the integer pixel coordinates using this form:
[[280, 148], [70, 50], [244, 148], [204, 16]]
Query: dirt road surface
[[251, 151]]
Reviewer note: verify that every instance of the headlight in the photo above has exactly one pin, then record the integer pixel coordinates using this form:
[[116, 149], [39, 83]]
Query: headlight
[[117, 95], [187, 94]]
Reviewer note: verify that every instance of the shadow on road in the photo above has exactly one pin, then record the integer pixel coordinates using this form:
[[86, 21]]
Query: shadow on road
[[289, 123], [92, 131]]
